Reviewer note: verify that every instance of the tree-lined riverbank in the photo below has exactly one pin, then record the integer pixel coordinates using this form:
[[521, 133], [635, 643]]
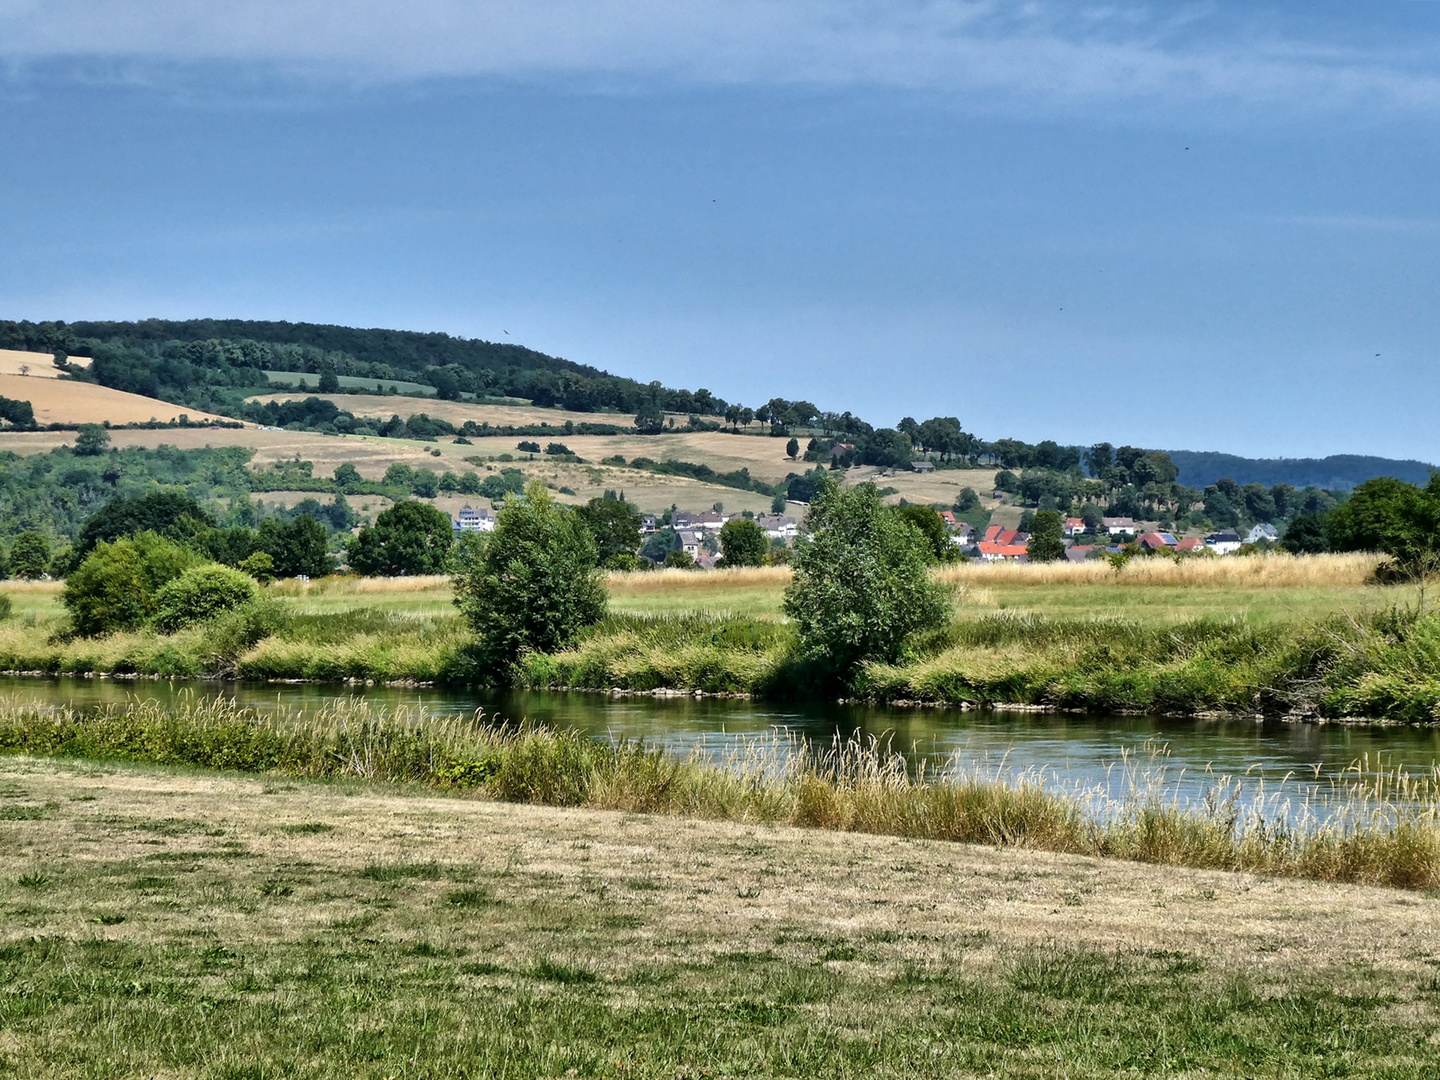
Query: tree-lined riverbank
[[1304, 636]]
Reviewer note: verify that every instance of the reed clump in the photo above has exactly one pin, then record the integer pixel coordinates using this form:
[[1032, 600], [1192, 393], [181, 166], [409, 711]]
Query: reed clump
[[1380, 825]]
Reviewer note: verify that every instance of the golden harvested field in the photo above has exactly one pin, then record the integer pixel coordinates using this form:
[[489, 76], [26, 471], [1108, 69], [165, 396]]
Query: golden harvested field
[[34, 365], [66, 402], [384, 406]]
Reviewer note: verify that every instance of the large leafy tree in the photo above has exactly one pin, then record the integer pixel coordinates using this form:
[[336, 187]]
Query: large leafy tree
[[743, 543], [409, 538], [1391, 516], [615, 525], [299, 547], [1047, 538], [535, 585], [861, 584], [929, 524], [168, 513]]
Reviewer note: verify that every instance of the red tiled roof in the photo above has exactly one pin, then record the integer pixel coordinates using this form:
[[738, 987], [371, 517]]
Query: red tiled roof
[[1009, 551], [993, 531]]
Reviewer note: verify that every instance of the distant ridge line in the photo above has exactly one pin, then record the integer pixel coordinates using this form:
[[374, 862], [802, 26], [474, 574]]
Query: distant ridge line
[[1199, 468]]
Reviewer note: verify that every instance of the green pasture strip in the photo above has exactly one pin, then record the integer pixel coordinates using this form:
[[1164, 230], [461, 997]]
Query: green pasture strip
[[354, 383]]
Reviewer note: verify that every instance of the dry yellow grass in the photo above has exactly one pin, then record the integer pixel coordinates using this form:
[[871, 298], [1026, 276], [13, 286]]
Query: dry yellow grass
[[33, 365], [715, 885], [682, 581], [67, 402], [1269, 571]]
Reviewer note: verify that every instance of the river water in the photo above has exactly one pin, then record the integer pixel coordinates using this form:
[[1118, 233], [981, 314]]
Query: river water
[[1290, 765]]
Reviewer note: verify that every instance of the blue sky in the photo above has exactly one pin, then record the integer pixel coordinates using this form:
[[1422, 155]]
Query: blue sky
[[1189, 225]]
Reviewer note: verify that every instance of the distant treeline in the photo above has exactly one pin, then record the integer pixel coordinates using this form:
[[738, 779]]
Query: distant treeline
[[1340, 472]]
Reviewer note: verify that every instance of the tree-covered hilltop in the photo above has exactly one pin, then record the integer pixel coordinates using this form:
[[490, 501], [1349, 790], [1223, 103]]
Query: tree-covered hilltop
[[212, 364]]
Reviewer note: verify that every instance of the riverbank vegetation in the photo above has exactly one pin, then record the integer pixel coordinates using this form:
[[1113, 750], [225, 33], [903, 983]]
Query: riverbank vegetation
[[1383, 828], [163, 922], [1280, 634]]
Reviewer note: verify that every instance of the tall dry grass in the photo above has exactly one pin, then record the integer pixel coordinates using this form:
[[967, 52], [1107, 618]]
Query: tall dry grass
[[1386, 830], [670, 580], [344, 585], [1272, 570]]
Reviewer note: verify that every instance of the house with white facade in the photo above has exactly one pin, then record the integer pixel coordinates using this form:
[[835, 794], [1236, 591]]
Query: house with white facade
[[1263, 533], [779, 526], [470, 520], [1223, 543]]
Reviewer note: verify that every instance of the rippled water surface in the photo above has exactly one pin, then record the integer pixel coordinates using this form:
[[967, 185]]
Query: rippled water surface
[[1086, 751]]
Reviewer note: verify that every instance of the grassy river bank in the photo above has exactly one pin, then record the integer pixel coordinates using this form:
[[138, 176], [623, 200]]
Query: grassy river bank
[[168, 922], [1307, 637]]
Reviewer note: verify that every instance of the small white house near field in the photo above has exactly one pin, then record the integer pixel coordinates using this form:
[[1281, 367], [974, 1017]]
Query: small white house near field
[[1223, 543], [1264, 532], [481, 520], [1120, 526]]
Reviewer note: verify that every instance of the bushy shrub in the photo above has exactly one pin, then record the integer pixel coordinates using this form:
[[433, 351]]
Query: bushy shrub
[[117, 585], [30, 556], [259, 566], [201, 594], [861, 584], [534, 585]]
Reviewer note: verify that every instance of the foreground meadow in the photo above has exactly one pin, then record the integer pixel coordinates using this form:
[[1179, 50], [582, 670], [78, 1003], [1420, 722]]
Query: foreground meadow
[[1310, 636], [181, 924]]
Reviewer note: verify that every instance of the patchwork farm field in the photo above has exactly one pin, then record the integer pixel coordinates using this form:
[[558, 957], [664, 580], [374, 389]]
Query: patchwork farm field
[[162, 922], [383, 406]]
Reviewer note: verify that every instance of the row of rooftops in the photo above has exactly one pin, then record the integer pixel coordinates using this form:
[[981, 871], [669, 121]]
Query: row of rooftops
[[997, 543]]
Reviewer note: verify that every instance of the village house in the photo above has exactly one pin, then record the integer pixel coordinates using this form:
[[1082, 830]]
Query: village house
[[1074, 526], [778, 526], [1120, 526], [1264, 533], [1194, 543], [692, 542], [470, 520], [1078, 552], [840, 449], [991, 551], [1154, 541], [709, 519], [1223, 543]]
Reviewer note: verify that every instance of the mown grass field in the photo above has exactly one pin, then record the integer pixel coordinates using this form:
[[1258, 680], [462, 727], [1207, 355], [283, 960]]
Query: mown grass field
[[160, 922]]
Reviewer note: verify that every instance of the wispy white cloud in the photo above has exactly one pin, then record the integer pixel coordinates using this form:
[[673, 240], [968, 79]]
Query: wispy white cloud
[[1035, 50]]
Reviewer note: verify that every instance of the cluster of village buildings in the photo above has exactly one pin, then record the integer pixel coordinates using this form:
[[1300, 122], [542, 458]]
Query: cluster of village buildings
[[1000, 544], [697, 534]]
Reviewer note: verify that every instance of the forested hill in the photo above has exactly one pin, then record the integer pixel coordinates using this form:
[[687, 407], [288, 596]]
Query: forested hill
[[1340, 472], [211, 363], [408, 349]]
